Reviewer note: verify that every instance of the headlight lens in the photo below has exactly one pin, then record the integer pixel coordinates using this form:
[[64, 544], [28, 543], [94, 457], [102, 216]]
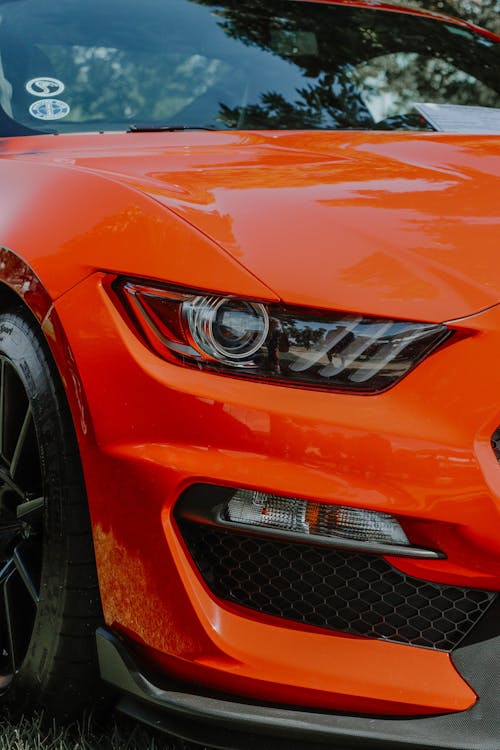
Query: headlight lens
[[225, 328], [274, 342]]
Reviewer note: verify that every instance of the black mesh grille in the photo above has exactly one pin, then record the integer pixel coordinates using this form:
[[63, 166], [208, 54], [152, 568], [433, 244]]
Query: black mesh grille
[[345, 591]]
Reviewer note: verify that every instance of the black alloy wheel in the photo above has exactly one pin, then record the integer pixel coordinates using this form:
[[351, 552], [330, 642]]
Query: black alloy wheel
[[22, 506], [49, 601]]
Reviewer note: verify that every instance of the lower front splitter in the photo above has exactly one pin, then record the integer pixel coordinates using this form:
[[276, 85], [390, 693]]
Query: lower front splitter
[[240, 725]]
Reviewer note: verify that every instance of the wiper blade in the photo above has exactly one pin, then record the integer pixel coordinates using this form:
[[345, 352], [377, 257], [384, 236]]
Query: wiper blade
[[145, 128]]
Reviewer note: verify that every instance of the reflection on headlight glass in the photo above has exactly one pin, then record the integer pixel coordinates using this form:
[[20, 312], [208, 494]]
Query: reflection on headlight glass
[[347, 351]]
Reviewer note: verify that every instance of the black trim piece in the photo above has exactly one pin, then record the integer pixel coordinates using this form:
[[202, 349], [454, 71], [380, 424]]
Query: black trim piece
[[10, 128], [155, 128], [206, 735], [495, 443], [204, 503], [239, 725]]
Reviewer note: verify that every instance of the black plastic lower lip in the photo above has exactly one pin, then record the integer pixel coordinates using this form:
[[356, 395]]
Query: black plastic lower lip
[[239, 725]]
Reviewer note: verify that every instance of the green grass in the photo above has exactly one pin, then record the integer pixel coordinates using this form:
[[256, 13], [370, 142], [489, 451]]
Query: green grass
[[119, 734]]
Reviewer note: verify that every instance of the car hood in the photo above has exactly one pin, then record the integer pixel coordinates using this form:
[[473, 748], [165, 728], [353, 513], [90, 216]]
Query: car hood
[[392, 224]]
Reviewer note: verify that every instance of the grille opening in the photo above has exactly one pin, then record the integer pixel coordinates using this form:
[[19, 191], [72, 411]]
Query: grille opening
[[350, 592]]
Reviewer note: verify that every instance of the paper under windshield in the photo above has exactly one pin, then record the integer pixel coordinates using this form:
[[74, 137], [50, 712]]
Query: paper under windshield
[[457, 118]]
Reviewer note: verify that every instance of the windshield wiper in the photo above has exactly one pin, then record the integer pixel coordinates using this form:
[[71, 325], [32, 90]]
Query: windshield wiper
[[145, 128]]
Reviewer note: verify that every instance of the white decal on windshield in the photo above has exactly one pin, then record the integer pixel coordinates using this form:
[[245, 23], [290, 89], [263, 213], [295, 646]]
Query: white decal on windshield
[[49, 109], [45, 86]]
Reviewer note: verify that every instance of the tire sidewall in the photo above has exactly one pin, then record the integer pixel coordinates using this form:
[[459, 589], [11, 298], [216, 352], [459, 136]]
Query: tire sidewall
[[29, 356]]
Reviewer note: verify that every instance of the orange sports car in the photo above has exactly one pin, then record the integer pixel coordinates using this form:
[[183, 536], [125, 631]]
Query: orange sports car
[[249, 406]]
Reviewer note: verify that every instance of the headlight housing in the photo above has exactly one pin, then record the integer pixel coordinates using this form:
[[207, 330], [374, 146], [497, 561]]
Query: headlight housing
[[296, 346]]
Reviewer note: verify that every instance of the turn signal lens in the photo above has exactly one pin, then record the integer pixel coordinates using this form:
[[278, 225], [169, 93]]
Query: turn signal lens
[[295, 346], [313, 518], [311, 522]]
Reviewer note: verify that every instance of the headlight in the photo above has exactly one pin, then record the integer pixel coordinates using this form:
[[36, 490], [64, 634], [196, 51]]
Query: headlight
[[274, 342], [227, 329]]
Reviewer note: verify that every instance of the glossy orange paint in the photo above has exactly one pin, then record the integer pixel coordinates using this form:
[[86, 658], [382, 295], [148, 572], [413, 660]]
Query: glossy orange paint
[[376, 223], [68, 239], [434, 469]]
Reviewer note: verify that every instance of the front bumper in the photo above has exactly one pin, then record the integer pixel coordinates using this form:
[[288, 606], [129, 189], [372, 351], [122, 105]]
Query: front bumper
[[229, 724], [149, 430]]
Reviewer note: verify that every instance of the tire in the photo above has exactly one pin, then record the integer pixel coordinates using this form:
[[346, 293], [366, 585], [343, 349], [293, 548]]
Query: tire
[[49, 599]]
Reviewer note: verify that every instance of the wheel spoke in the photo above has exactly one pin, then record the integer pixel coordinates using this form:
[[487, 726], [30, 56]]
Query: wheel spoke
[[25, 576], [23, 433], [29, 507], [7, 480], [6, 571], [9, 615]]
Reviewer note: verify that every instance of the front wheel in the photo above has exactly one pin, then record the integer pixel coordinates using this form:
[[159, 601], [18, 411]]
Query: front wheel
[[49, 600]]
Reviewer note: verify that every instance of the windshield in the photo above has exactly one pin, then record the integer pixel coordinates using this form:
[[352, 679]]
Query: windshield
[[105, 65]]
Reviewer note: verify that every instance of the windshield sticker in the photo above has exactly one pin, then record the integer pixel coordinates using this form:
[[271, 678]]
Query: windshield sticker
[[45, 86], [49, 109]]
